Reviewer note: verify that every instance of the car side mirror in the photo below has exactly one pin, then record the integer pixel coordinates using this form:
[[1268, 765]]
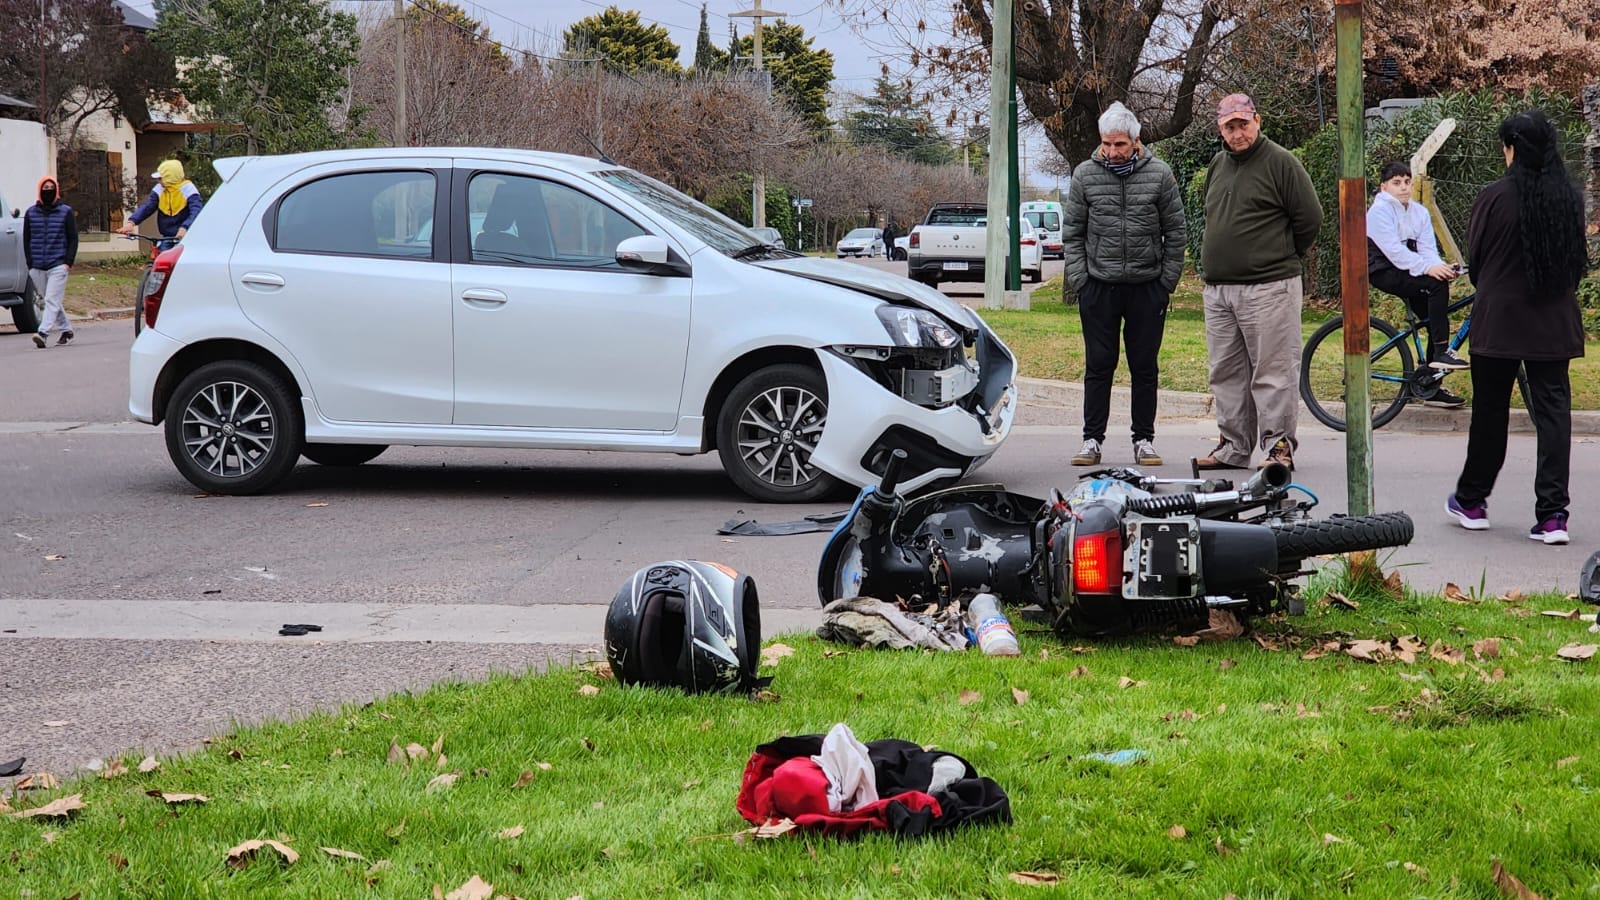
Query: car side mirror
[[16, 213], [650, 254]]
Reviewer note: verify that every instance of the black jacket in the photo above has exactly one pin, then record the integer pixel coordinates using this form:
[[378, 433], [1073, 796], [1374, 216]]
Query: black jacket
[[1508, 320]]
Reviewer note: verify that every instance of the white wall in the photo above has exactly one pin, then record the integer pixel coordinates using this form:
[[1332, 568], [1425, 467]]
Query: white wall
[[24, 159]]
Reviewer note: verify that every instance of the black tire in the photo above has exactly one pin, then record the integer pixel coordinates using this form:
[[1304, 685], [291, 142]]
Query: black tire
[[26, 314], [342, 454], [213, 407], [1036, 276], [778, 414], [898, 255], [1342, 534], [1322, 373], [138, 303]]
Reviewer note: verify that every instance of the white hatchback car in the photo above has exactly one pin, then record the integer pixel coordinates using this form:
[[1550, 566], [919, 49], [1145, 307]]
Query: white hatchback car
[[331, 304], [860, 242]]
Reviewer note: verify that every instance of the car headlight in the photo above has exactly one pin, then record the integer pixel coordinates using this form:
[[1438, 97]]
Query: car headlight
[[917, 328]]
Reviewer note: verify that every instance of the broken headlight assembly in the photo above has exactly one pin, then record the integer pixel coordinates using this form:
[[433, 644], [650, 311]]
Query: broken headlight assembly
[[918, 328]]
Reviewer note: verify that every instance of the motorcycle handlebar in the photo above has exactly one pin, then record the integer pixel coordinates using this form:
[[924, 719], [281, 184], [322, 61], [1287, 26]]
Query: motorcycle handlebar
[[891, 473]]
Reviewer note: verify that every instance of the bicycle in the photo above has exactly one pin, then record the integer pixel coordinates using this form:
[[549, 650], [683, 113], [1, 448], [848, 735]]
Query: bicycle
[[158, 245], [1395, 378]]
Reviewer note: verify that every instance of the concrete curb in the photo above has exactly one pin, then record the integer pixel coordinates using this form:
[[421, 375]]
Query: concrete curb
[[1190, 405]]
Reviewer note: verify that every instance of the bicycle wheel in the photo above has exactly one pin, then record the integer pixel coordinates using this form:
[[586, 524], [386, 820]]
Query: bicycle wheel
[[138, 303], [1322, 373]]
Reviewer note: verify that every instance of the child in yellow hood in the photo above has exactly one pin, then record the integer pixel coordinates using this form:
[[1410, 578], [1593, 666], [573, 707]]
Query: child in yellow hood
[[174, 199]]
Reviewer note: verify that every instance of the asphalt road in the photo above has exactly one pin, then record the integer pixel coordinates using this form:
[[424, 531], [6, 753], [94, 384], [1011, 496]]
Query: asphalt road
[[156, 625]]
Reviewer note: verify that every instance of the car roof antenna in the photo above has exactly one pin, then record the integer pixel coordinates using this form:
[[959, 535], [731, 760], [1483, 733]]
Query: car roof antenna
[[601, 153]]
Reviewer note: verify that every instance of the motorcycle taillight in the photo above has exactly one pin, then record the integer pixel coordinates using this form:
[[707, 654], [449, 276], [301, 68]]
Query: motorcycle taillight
[[1097, 562]]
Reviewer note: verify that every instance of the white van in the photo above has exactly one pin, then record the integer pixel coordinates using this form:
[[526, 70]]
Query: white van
[[1045, 215]]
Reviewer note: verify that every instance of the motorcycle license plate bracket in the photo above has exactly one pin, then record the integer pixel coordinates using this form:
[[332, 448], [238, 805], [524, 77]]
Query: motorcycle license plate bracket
[[1161, 560]]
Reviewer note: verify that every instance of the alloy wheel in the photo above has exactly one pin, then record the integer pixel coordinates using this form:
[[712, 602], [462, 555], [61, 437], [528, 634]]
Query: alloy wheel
[[228, 429], [777, 433]]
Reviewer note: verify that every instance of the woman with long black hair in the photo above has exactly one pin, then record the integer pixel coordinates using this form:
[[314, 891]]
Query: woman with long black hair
[[1526, 249]]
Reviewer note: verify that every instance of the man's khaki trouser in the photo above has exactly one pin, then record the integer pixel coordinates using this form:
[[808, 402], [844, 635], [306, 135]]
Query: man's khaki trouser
[[1253, 340]]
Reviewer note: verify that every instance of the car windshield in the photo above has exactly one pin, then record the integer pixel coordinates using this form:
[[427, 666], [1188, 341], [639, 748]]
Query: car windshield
[[968, 217], [861, 234], [717, 230], [1046, 220]]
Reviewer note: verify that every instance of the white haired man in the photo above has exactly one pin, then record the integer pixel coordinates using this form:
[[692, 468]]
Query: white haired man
[[1123, 240]]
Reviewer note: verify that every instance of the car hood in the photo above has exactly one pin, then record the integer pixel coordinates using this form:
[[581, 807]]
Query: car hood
[[874, 283]]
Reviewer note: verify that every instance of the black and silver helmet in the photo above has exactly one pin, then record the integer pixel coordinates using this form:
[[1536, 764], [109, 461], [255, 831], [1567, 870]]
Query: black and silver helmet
[[687, 624]]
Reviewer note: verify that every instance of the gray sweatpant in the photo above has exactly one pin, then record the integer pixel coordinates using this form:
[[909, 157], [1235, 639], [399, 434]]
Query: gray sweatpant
[[52, 286], [1253, 340]]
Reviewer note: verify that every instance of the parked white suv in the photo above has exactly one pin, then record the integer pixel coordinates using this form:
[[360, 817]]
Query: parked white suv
[[331, 304]]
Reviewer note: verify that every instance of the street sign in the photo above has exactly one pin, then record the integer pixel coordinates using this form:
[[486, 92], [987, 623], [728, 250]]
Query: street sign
[[803, 202]]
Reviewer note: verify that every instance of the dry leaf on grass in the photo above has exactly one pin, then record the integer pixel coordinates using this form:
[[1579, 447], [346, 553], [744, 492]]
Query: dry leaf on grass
[[396, 755], [1019, 695], [440, 782], [1303, 713], [55, 809], [967, 698], [1488, 648], [1367, 650], [1079, 672], [150, 764], [1126, 682], [438, 745], [1572, 615], [1335, 598], [475, 888], [1221, 625], [1454, 594], [1177, 832], [1223, 849], [241, 856], [523, 780], [1266, 643], [514, 831], [38, 781], [1035, 878], [1226, 664], [771, 655], [1186, 640], [416, 751], [1331, 839], [1446, 653], [766, 696], [588, 690], [1515, 595], [117, 769], [1577, 652], [176, 799], [1567, 761], [1509, 884], [343, 854]]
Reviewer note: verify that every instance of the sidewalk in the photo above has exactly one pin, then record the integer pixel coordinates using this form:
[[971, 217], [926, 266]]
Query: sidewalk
[[1184, 404]]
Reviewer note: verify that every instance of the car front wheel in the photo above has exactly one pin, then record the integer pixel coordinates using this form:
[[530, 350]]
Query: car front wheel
[[233, 428], [767, 430]]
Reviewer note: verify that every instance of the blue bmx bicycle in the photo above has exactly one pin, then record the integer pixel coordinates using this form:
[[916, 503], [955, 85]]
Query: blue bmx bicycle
[[1396, 378]]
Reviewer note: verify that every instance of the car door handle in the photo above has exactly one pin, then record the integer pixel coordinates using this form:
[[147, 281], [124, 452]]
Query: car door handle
[[484, 298], [262, 279]]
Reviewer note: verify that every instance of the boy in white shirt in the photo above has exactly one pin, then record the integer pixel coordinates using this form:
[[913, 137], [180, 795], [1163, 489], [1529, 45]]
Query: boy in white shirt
[[1403, 260]]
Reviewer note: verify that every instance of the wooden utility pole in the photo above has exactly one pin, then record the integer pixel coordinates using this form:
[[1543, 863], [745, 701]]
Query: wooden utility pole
[[400, 139], [1353, 260], [1000, 157], [758, 186]]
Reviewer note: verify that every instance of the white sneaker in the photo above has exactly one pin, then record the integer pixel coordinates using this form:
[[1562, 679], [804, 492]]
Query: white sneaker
[[1089, 455]]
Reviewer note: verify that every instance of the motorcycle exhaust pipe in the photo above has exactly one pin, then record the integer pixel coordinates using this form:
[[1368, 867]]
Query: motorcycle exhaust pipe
[[1272, 477]]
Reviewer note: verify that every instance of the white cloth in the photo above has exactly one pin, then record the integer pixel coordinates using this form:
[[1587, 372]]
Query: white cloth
[[1391, 223], [52, 285], [851, 779]]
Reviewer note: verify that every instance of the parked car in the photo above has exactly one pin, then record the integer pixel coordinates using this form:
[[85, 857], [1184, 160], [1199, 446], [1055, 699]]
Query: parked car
[[1045, 215], [951, 244], [590, 308], [16, 289], [902, 247], [772, 236], [861, 242]]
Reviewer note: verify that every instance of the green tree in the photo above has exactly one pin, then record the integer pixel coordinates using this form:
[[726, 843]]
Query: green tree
[[708, 57], [626, 43], [801, 74], [891, 119], [271, 69]]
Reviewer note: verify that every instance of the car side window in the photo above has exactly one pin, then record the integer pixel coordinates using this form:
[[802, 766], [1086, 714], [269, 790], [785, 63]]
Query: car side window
[[359, 214], [531, 221]]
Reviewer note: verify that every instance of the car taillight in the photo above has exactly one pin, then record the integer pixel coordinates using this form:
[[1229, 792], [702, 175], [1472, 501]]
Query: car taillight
[[155, 287], [1097, 563], [915, 240], [1027, 242]]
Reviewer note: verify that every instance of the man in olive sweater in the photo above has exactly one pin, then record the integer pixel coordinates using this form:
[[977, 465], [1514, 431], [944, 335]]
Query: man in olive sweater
[[1261, 220], [1123, 240]]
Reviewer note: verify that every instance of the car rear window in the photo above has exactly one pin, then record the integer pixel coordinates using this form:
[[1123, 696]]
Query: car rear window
[[359, 214], [964, 217]]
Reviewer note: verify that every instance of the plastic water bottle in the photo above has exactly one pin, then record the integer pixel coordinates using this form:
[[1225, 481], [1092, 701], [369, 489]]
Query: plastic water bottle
[[994, 634]]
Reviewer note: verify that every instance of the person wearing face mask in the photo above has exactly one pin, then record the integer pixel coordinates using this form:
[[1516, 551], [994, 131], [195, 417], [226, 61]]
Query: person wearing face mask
[[1261, 219], [50, 244], [175, 201], [1122, 239]]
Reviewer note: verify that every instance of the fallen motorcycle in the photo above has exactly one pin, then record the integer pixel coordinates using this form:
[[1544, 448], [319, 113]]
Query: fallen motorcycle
[[1112, 556]]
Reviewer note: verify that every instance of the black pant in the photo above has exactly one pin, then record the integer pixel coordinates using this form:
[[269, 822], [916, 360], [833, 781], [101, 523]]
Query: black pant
[[1139, 312], [1550, 406], [1427, 296]]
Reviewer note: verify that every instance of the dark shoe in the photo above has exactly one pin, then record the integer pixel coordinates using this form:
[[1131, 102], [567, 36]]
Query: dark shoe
[[1472, 517], [1447, 359], [1212, 462], [65, 338], [39, 341], [1444, 399], [1280, 453]]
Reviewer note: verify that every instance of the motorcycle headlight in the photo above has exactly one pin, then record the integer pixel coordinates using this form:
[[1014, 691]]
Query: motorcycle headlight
[[917, 328]]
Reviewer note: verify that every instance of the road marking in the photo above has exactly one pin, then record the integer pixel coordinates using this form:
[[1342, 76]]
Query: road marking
[[197, 620]]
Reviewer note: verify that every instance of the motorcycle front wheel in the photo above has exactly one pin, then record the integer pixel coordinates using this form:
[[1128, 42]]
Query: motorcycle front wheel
[[1342, 534]]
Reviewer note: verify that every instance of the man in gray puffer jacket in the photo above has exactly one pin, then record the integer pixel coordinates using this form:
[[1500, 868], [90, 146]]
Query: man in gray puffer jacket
[[1124, 240]]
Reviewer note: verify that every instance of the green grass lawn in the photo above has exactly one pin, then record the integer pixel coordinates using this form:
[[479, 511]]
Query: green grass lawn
[[1048, 341], [1288, 772]]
